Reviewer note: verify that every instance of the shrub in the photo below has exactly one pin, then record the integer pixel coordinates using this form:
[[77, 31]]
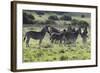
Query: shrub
[[83, 23], [50, 22], [82, 16], [63, 58], [31, 16], [40, 12], [62, 51], [53, 18], [75, 22], [28, 18], [68, 18]]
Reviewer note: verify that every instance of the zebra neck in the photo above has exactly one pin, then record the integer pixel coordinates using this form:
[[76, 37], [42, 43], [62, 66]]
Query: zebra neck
[[43, 33]]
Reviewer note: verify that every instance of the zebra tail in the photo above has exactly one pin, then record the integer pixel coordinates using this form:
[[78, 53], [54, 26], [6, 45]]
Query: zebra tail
[[24, 38]]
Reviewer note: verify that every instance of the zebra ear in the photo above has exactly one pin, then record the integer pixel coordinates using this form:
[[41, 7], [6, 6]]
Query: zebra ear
[[48, 28]]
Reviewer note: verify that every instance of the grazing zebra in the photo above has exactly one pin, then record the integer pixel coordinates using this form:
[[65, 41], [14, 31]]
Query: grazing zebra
[[72, 35], [58, 37]]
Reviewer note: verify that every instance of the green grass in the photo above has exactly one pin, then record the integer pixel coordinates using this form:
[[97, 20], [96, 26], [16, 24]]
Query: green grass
[[55, 52]]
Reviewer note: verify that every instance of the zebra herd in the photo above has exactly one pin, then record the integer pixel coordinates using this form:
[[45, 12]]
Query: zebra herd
[[57, 36], [68, 36]]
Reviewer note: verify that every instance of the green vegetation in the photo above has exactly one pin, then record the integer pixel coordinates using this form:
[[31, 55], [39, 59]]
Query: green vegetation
[[55, 52]]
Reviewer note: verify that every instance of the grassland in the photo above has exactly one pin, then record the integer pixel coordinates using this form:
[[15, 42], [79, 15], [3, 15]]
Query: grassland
[[54, 52]]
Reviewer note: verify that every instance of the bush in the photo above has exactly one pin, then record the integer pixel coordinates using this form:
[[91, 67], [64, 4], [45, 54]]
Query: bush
[[63, 58], [82, 16], [27, 21], [75, 22], [40, 12], [31, 16], [53, 18], [28, 18], [83, 24], [50, 22], [69, 18]]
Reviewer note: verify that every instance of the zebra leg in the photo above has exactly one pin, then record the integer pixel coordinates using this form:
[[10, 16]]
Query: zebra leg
[[84, 40], [56, 41], [52, 40], [60, 41], [64, 42], [40, 42]]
